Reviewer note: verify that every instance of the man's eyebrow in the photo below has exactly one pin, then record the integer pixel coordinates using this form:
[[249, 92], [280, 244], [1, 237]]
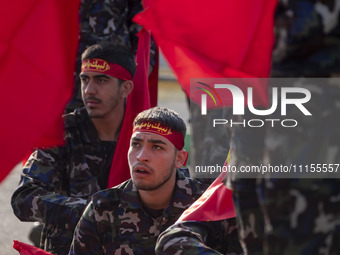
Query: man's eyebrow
[[102, 76], [96, 76], [136, 139], [83, 75], [156, 141]]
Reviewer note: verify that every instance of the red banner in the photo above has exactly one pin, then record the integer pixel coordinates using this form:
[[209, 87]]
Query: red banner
[[221, 40], [138, 100], [26, 249], [38, 45]]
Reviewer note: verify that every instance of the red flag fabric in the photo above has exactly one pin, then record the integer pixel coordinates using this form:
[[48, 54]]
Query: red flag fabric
[[26, 249], [224, 39], [137, 101], [38, 44], [215, 204]]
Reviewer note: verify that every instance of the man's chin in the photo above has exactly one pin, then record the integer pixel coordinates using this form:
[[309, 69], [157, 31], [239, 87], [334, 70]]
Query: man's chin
[[148, 186], [94, 115], [141, 185], [145, 187]]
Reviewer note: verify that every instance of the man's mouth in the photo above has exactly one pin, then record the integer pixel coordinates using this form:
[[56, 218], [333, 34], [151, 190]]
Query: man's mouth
[[92, 101], [142, 170]]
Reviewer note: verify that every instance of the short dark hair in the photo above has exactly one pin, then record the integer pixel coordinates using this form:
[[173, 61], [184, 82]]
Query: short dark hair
[[163, 115], [112, 53]]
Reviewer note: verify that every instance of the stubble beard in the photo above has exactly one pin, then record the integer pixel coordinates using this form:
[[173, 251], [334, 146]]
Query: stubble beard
[[151, 187]]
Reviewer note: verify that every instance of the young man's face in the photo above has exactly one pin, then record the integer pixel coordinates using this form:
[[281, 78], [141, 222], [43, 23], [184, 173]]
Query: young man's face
[[101, 93], [152, 161]]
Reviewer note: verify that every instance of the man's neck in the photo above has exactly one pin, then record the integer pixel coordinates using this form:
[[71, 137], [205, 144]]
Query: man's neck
[[160, 198], [108, 128]]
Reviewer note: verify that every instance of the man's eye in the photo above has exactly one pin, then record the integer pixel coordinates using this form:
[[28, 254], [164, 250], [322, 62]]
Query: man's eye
[[84, 79], [134, 144], [157, 147], [101, 80]]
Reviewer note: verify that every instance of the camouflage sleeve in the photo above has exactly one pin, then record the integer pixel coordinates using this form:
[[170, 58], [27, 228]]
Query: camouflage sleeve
[[86, 239], [40, 196], [195, 237]]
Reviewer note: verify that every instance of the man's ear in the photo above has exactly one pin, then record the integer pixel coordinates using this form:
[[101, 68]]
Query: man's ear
[[126, 88], [181, 158]]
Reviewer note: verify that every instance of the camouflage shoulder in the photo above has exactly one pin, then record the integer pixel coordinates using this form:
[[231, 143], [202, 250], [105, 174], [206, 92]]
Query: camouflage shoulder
[[111, 195], [196, 186]]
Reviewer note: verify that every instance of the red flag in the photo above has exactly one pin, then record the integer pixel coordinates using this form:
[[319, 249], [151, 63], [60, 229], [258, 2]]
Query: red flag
[[224, 39], [37, 49], [216, 203], [137, 101], [26, 249]]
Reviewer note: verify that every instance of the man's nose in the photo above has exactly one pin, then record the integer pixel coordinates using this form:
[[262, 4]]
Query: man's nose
[[91, 87], [143, 154]]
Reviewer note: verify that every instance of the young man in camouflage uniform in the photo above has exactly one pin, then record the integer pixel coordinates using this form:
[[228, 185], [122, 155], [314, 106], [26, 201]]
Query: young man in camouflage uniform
[[107, 21], [57, 183], [128, 218]]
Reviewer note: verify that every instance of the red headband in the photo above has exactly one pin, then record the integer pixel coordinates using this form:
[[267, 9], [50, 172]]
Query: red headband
[[176, 138], [102, 66]]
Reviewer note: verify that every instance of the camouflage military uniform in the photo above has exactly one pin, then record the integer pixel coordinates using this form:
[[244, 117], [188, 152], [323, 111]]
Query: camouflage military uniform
[[107, 20], [247, 149], [198, 237], [206, 148], [116, 222], [290, 215], [295, 215], [307, 38], [57, 183]]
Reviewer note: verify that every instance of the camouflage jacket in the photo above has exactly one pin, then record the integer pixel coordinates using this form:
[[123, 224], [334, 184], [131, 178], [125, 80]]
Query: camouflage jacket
[[307, 38], [109, 20], [200, 237], [56, 183], [115, 221]]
